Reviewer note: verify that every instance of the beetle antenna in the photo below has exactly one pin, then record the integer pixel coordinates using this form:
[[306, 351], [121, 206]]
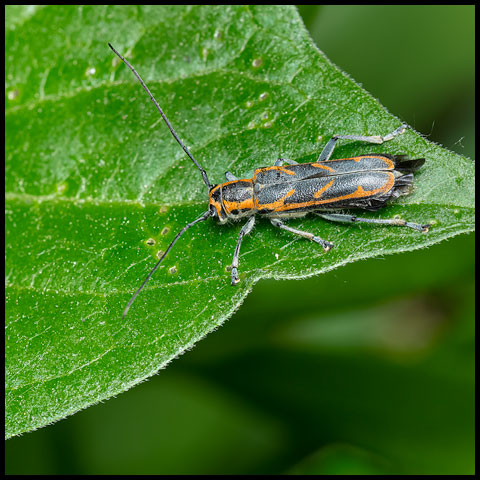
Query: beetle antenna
[[175, 136], [179, 234]]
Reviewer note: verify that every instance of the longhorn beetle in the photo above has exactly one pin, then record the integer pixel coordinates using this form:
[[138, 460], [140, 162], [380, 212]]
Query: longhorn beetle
[[281, 192]]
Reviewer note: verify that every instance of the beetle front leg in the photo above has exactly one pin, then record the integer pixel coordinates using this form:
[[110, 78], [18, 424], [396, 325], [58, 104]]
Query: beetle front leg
[[398, 222], [246, 229], [310, 236], [378, 139]]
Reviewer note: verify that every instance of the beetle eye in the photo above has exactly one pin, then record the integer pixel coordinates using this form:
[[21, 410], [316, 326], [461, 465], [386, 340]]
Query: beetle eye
[[214, 212]]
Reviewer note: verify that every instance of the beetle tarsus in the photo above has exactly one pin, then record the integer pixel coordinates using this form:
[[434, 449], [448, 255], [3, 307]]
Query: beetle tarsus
[[235, 278]]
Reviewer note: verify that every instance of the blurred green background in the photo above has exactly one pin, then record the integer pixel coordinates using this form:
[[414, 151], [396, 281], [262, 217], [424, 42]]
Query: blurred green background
[[367, 369]]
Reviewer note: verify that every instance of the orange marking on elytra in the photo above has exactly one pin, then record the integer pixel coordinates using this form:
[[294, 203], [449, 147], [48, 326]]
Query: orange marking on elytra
[[319, 165], [282, 169], [319, 193], [388, 163], [275, 205], [248, 180]]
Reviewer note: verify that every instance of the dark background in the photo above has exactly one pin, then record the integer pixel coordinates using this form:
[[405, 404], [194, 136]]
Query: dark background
[[366, 369]]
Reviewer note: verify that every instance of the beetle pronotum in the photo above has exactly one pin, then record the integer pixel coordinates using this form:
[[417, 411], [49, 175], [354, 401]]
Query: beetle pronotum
[[280, 192]]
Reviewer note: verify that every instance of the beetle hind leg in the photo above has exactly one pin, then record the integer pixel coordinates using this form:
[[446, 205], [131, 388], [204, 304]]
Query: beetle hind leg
[[310, 236], [377, 139]]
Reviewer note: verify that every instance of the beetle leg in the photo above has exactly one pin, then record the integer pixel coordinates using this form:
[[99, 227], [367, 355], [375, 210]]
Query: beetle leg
[[378, 139], [310, 236], [341, 217], [246, 229], [230, 177], [279, 162]]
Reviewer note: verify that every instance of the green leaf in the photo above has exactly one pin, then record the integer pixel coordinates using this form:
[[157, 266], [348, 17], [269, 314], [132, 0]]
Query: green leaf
[[96, 186]]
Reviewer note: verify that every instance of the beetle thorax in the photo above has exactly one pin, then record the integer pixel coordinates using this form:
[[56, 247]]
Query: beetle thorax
[[232, 200]]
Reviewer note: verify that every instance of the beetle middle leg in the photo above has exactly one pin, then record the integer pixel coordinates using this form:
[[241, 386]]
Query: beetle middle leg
[[280, 161], [398, 222], [310, 236], [230, 177], [246, 229], [378, 139]]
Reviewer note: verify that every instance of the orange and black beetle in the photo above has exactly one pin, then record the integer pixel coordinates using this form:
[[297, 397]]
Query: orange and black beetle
[[281, 191]]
